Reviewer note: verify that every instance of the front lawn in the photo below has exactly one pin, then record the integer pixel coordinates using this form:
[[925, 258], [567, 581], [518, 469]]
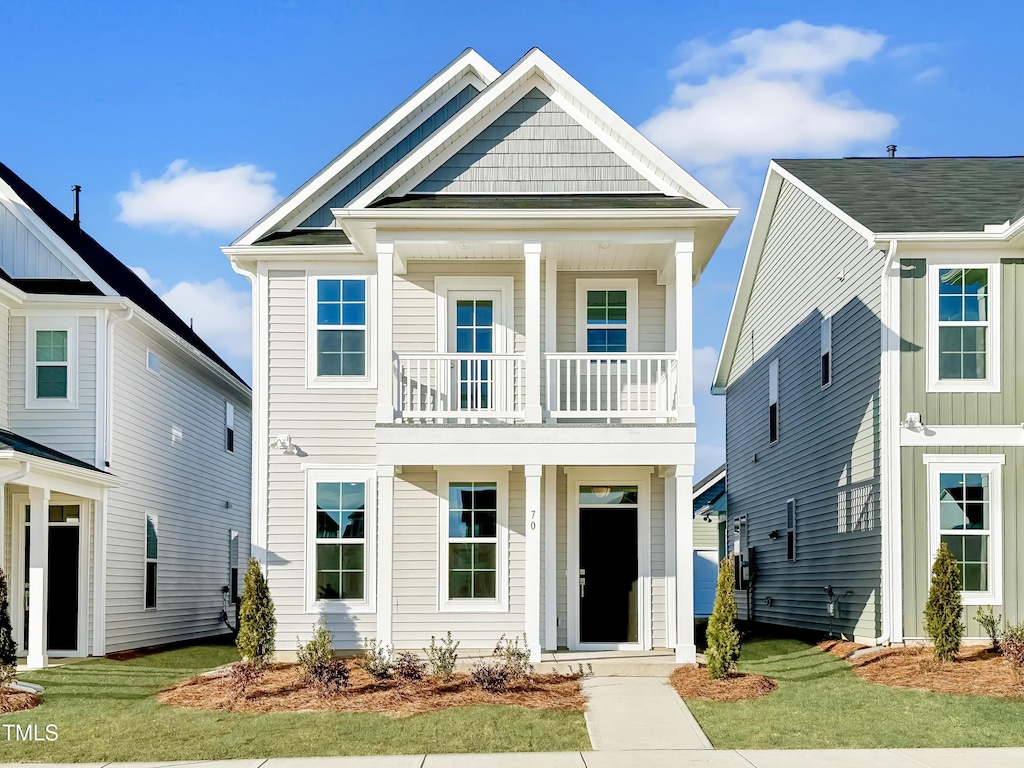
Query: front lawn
[[821, 704], [106, 711]]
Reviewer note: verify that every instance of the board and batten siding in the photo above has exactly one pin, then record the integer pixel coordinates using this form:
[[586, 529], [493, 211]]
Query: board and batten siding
[[71, 431], [23, 254], [169, 454], [917, 559], [827, 457], [534, 147], [332, 427]]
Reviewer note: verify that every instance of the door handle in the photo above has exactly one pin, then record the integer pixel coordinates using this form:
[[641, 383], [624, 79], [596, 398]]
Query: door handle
[[583, 586]]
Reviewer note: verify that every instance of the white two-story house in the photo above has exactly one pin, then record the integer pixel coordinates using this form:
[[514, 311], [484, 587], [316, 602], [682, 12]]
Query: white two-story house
[[472, 375], [124, 449]]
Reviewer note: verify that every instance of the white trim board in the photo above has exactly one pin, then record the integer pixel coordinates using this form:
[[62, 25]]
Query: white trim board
[[967, 436]]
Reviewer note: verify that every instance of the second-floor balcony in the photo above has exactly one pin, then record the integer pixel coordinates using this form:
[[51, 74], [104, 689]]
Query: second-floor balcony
[[474, 388]]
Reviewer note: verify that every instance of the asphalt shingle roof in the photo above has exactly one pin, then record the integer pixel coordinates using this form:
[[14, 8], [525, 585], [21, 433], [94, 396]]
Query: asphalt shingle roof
[[919, 194], [107, 266]]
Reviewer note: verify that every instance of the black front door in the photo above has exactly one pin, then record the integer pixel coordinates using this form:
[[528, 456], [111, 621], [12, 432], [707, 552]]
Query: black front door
[[608, 575], [62, 611]]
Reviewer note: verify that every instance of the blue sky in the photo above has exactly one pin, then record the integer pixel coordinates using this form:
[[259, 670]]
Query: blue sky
[[238, 103]]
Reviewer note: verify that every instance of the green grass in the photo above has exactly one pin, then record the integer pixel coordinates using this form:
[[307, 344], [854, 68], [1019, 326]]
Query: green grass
[[106, 711], [821, 704]]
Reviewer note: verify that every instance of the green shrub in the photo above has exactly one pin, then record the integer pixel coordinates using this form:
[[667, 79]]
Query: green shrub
[[723, 649], [377, 662], [990, 624], [8, 648], [1013, 646], [441, 657], [514, 657], [256, 621], [942, 612], [326, 674]]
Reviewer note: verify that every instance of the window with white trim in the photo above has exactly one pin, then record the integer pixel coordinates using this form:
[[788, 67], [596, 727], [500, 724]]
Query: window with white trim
[[473, 535], [340, 551], [51, 370], [235, 593], [826, 352], [340, 328], [229, 427], [791, 530], [963, 332], [607, 315], [773, 401], [152, 551], [964, 499], [152, 361]]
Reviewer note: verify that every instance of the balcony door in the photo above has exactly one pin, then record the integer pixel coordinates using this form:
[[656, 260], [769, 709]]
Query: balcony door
[[475, 332]]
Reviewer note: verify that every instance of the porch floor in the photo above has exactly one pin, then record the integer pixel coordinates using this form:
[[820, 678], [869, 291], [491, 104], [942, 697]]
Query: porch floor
[[656, 663]]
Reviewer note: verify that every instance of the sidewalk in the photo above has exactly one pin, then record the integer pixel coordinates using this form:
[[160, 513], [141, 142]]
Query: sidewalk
[[835, 758], [630, 713]]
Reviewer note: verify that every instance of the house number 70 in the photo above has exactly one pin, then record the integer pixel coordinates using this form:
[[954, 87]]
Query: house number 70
[[533, 520]]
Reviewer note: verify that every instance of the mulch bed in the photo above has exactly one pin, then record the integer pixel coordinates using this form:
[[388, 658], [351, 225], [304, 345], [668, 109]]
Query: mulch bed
[[283, 689], [840, 648], [693, 682], [18, 701], [976, 672]]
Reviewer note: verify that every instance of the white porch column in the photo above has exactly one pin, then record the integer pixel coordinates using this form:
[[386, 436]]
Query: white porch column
[[671, 625], [533, 523], [550, 558], [99, 596], [39, 517], [385, 553], [531, 252], [684, 328], [550, 323], [385, 333], [686, 650]]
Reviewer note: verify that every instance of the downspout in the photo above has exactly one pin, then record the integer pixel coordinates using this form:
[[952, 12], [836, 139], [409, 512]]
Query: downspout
[[889, 449], [108, 427]]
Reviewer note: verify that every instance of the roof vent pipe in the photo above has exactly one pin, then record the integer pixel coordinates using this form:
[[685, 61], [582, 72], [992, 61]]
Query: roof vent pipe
[[891, 149], [77, 218]]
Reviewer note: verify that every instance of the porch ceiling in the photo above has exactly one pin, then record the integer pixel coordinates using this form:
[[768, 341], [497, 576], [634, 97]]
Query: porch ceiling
[[570, 255]]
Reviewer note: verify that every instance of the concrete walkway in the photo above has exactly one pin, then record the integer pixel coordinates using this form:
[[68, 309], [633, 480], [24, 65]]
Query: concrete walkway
[[627, 713], [809, 758]]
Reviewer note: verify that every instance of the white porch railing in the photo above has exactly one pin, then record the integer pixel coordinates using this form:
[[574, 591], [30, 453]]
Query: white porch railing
[[460, 386], [612, 385]]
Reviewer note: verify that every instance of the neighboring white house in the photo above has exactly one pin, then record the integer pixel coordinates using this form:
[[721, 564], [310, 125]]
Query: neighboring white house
[[473, 375], [124, 449]]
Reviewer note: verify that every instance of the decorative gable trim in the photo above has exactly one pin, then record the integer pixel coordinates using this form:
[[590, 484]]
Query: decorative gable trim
[[469, 68]]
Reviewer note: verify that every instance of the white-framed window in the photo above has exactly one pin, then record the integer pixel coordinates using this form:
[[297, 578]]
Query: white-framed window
[[152, 361], [963, 327], [229, 427], [773, 401], [965, 513], [51, 345], [473, 532], [152, 552], [607, 315], [338, 331], [234, 588], [340, 553], [826, 352], [791, 530]]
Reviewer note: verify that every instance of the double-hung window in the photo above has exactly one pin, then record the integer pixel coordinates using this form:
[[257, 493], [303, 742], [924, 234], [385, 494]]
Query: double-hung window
[[963, 353], [606, 315], [151, 562], [341, 538], [51, 346], [339, 329], [474, 532], [964, 498], [791, 530], [773, 401], [826, 352], [229, 427]]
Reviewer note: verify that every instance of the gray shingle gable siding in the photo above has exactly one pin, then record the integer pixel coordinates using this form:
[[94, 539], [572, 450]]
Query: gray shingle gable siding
[[534, 147], [610, 201], [926, 194], [323, 216]]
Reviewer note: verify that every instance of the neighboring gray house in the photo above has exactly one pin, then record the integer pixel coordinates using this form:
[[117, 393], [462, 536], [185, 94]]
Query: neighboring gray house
[[125, 453], [473, 375], [874, 405], [709, 517]]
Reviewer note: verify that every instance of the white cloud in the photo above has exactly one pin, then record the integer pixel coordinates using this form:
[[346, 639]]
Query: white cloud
[[763, 93], [227, 200], [927, 75], [220, 314]]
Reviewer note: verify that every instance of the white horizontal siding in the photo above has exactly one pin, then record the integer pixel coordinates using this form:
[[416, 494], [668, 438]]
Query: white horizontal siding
[[650, 315], [187, 483]]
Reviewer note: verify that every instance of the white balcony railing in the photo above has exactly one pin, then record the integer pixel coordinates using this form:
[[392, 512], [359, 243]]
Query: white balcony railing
[[611, 385], [460, 386]]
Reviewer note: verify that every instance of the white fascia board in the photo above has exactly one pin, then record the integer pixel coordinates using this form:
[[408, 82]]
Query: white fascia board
[[65, 478], [242, 254], [30, 219], [536, 66], [687, 217], [708, 482], [751, 260], [468, 65]]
